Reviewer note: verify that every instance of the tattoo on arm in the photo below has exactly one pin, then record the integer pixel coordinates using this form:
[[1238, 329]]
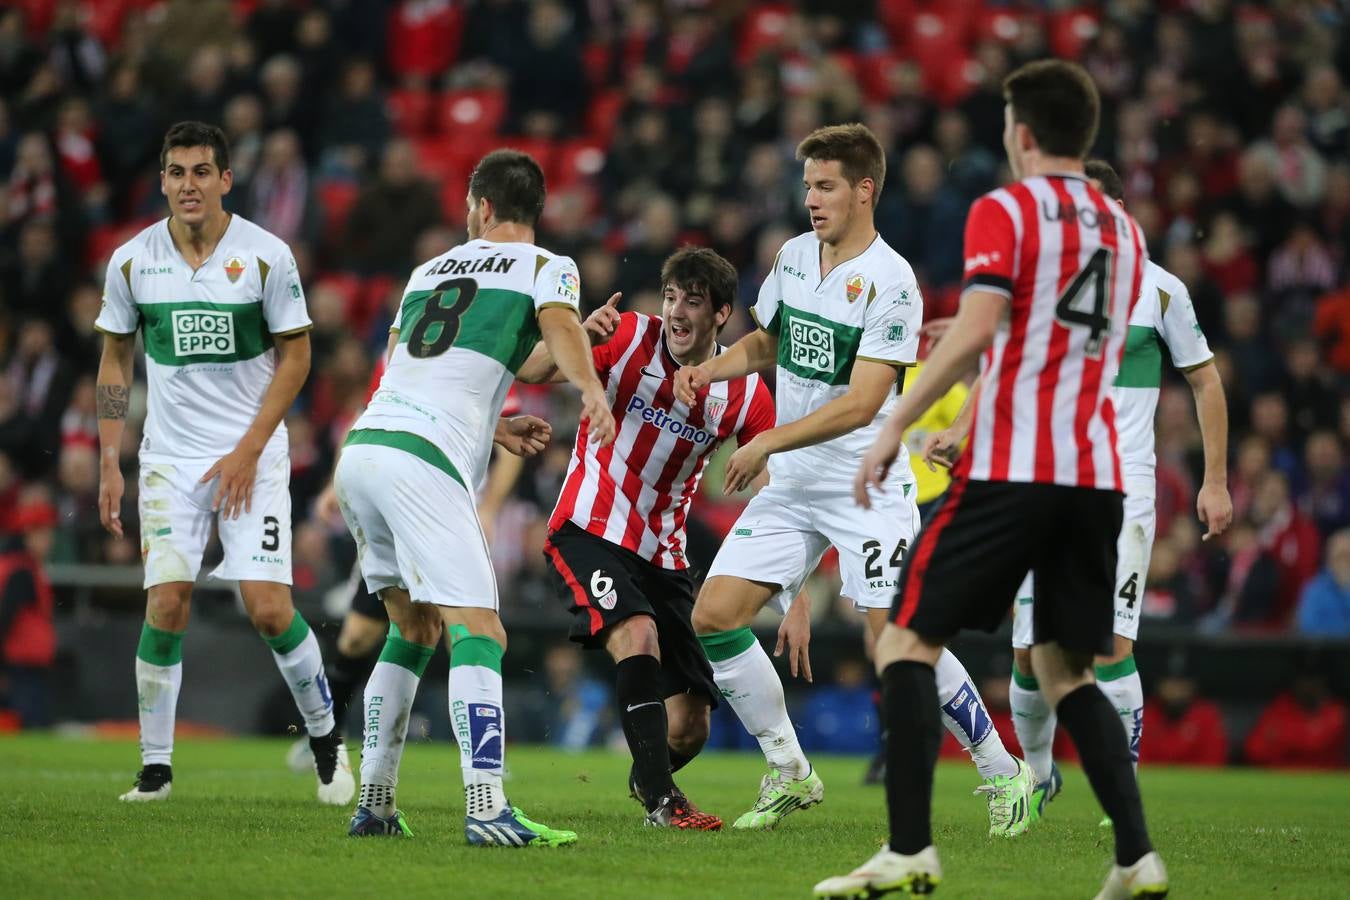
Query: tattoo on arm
[[112, 400]]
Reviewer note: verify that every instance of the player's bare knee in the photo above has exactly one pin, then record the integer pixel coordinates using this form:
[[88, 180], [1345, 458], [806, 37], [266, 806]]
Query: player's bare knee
[[634, 636], [896, 644], [687, 728], [479, 622], [167, 606], [1059, 671], [423, 625]]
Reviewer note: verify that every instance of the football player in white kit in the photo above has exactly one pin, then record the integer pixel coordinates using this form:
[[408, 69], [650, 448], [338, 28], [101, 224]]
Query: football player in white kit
[[219, 304], [1162, 317], [468, 320], [840, 315]]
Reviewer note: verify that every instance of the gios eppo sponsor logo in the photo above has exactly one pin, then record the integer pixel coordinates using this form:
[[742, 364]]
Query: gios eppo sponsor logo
[[199, 332], [812, 345]]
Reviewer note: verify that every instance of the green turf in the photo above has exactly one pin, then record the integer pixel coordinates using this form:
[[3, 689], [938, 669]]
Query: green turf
[[240, 825]]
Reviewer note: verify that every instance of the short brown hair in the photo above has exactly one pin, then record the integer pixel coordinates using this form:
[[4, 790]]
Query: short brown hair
[[701, 269], [1058, 102], [514, 183], [1100, 171], [196, 134], [854, 147]]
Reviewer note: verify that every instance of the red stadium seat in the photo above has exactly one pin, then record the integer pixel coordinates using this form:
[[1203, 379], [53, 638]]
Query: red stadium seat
[[1002, 25], [874, 75], [1071, 30], [762, 32], [410, 111], [423, 38], [603, 115], [477, 112], [934, 41], [595, 58], [959, 78], [104, 239], [336, 198], [578, 160], [896, 16]]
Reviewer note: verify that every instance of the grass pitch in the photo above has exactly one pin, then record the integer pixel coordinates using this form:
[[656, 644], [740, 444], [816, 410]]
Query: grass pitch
[[240, 825]]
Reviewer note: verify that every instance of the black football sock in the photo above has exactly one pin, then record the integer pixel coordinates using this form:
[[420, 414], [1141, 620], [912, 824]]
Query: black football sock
[[1104, 751], [643, 713], [679, 760], [913, 727], [345, 673]]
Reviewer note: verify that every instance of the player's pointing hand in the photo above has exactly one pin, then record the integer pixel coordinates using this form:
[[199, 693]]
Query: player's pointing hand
[[601, 324], [689, 380]]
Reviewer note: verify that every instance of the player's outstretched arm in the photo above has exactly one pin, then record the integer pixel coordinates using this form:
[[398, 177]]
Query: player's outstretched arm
[[756, 351], [571, 352], [942, 447], [868, 387], [238, 468], [600, 326], [1213, 504], [955, 355], [113, 393]]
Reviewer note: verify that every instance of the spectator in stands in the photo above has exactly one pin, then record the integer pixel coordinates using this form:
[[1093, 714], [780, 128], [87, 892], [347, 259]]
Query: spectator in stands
[[1183, 728], [39, 191], [1182, 258], [1324, 105], [284, 102], [280, 199], [1331, 327], [127, 131], [1228, 260], [1259, 206], [244, 126], [1325, 497], [650, 240], [1324, 608], [27, 636], [205, 90], [1312, 400], [390, 213], [38, 273], [971, 170], [925, 220], [1270, 421], [548, 89], [1289, 539], [41, 380], [1300, 172], [355, 124], [1300, 270], [1303, 728]]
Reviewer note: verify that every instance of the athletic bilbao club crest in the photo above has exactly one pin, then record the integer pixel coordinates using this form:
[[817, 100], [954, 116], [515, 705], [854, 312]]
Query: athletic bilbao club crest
[[234, 267], [854, 287], [713, 407]]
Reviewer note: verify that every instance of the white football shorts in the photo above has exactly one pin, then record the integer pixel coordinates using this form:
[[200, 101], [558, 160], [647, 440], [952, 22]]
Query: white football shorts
[[415, 528], [783, 532], [176, 519], [1134, 548]]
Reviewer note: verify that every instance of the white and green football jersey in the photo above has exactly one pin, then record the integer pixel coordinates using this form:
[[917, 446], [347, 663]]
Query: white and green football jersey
[[1163, 315], [466, 324], [207, 333], [867, 308]]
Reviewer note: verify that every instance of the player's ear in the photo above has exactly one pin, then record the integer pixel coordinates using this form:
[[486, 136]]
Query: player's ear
[[721, 315], [1026, 141], [226, 181], [865, 190], [163, 188]]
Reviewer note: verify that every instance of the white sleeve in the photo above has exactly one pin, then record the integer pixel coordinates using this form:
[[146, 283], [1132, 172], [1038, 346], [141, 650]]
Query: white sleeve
[[558, 284], [118, 314], [891, 324], [1180, 329], [765, 310], [283, 297]]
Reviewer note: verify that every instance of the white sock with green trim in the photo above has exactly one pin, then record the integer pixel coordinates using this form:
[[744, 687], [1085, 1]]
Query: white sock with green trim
[[1121, 685], [746, 677], [389, 698], [965, 715], [1034, 721], [297, 655], [159, 676], [478, 720]]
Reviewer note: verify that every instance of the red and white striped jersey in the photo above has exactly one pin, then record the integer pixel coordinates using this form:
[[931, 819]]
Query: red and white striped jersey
[[1070, 260], [636, 492]]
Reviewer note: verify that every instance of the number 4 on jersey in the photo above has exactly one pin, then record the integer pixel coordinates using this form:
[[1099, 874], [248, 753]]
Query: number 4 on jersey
[[1089, 285]]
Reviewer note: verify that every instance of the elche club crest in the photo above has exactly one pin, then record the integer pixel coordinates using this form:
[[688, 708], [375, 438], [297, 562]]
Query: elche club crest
[[234, 267], [854, 287]]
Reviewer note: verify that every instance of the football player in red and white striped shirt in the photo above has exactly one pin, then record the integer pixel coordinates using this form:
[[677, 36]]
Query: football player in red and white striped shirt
[[616, 538], [1052, 269]]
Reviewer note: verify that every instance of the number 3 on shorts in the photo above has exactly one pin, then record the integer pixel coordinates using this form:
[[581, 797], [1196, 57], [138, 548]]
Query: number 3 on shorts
[[271, 541]]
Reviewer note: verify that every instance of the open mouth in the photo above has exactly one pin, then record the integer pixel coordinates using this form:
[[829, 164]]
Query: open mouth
[[817, 221], [680, 332], [190, 204]]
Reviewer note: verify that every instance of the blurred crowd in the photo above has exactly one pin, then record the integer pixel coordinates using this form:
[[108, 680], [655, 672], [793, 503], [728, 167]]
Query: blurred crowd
[[354, 125]]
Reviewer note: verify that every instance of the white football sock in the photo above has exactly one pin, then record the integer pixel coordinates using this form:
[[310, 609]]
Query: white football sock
[[964, 714], [390, 692], [1034, 720], [297, 655], [478, 721], [1121, 685], [157, 696], [746, 677]]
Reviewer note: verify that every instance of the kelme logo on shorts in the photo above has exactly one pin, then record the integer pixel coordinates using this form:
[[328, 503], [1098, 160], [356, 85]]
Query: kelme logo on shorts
[[812, 345], [198, 332]]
